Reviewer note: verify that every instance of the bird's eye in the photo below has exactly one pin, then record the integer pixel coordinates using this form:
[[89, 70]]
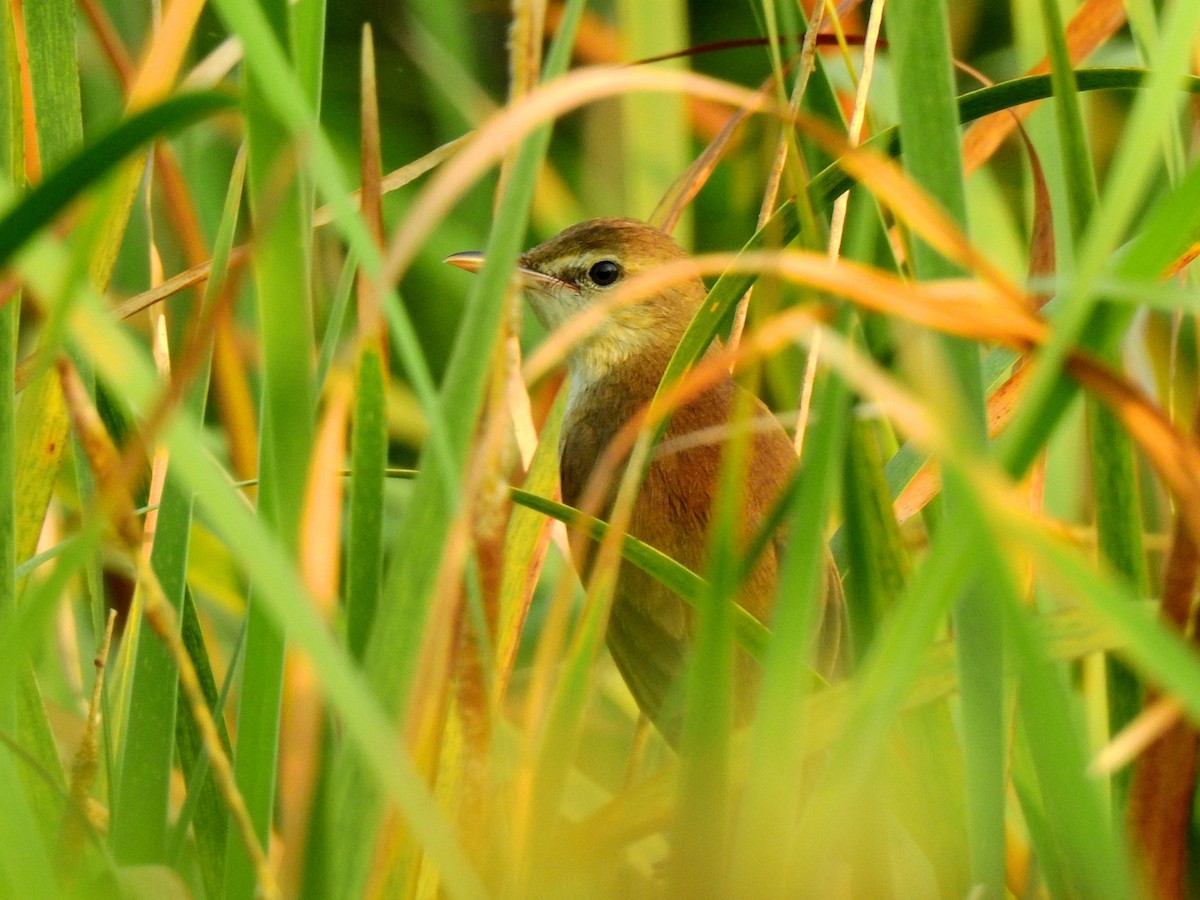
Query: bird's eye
[[604, 272]]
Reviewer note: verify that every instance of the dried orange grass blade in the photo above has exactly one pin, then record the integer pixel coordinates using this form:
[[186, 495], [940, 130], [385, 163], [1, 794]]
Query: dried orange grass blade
[[155, 78], [927, 482], [908, 202], [302, 728], [968, 308], [158, 463], [1042, 260], [502, 131], [430, 693], [211, 70], [1018, 860], [101, 453], [452, 658], [1043, 254], [235, 400], [1164, 778], [509, 619], [971, 309], [841, 207], [687, 186], [160, 346], [168, 48], [372, 165], [302, 718], [406, 174], [199, 272], [180, 208], [1160, 805], [1185, 260], [463, 768], [108, 39], [492, 141], [509, 411], [1155, 720], [1093, 24], [320, 529], [525, 45], [142, 302], [33, 166], [167, 170], [196, 275]]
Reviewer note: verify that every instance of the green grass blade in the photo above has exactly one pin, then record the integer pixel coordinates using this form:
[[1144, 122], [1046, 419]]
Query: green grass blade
[[307, 28], [1094, 865], [53, 73], [28, 873], [700, 832], [778, 734], [49, 33], [139, 816], [877, 564], [1124, 191], [655, 140], [831, 181], [283, 92], [525, 544], [886, 677], [1076, 155], [407, 584], [1170, 226], [42, 204], [367, 728], [1119, 533], [364, 544], [142, 793], [208, 816], [282, 266], [680, 579], [16, 820], [1114, 471], [336, 319], [410, 576], [1042, 837], [920, 46]]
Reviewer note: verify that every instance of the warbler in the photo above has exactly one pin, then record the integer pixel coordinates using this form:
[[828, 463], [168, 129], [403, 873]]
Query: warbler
[[614, 373]]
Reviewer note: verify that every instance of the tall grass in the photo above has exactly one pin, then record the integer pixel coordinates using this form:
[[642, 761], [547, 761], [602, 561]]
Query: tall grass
[[309, 486]]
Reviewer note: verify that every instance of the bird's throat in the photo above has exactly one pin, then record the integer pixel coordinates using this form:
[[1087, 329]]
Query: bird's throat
[[600, 403]]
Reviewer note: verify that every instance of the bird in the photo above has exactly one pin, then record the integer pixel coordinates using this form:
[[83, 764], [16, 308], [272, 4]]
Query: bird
[[614, 373]]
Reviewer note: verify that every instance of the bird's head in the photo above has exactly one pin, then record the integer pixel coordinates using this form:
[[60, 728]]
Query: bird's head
[[587, 262]]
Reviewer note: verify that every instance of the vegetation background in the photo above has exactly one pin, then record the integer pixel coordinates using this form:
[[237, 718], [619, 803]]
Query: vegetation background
[[282, 608]]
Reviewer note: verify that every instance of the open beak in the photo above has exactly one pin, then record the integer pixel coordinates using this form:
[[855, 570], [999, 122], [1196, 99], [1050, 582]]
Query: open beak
[[472, 261]]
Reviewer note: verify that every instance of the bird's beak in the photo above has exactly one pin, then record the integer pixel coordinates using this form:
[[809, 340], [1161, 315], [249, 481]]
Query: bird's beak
[[472, 261], [468, 260]]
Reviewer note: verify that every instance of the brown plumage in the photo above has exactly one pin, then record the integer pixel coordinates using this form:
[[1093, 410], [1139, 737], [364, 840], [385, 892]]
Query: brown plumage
[[614, 374]]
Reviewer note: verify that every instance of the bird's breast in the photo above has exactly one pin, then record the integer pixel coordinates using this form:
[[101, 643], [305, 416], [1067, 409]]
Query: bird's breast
[[675, 500]]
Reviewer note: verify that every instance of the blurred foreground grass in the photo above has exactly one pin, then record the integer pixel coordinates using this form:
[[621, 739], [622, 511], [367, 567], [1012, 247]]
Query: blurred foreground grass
[[240, 654]]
